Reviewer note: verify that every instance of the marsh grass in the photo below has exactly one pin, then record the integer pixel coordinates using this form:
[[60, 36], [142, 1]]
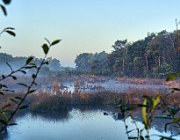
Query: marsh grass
[[47, 102], [44, 101]]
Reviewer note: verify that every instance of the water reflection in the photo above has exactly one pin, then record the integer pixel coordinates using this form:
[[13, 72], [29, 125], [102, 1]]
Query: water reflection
[[78, 124], [62, 116]]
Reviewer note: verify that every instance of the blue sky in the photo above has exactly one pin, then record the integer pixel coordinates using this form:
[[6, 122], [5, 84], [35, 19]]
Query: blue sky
[[83, 25]]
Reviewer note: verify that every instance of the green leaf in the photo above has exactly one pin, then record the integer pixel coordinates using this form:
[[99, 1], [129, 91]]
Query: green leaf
[[47, 41], [30, 67], [24, 72], [10, 28], [176, 120], [7, 1], [13, 100], [176, 89], [33, 76], [6, 106], [14, 77], [7, 90], [11, 33], [130, 131], [165, 138], [55, 42], [45, 48], [144, 114], [31, 91], [9, 66], [172, 76], [164, 117], [173, 110], [2, 85], [12, 124], [3, 76], [148, 98], [29, 59], [24, 107], [132, 138], [35, 84], [46, 63], [19, 98], [3, 9], [141, 105], [156, 101], [22, 84], [1, 93]]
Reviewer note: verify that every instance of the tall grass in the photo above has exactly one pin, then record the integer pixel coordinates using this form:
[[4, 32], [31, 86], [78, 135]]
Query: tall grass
[[46, 102]]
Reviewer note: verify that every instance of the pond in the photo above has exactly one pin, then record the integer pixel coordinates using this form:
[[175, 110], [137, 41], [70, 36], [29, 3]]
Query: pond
[[76, 124]]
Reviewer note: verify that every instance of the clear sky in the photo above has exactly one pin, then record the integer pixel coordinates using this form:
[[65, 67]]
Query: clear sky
[[83, 25]]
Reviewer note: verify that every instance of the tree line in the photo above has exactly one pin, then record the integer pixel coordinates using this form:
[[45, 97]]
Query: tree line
[[154, 56], [16, 62]]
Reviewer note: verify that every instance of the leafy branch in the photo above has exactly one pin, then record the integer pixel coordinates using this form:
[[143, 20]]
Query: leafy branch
[[20, 100], [3, 8]]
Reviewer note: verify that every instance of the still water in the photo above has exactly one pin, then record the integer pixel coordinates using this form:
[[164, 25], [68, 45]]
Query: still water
[[72, 125]]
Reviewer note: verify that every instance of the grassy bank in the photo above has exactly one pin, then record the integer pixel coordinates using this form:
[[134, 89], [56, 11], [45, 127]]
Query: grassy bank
[[47, 102]]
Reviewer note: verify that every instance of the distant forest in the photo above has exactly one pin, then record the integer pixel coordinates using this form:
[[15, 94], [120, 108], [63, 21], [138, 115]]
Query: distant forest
[[155, 56], [16, 62]]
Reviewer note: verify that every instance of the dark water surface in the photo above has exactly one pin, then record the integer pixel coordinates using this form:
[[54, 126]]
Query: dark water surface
[[74, 125]]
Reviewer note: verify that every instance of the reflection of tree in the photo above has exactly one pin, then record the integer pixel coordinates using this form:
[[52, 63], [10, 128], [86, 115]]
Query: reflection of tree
[[89, 108], [53, 115]]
